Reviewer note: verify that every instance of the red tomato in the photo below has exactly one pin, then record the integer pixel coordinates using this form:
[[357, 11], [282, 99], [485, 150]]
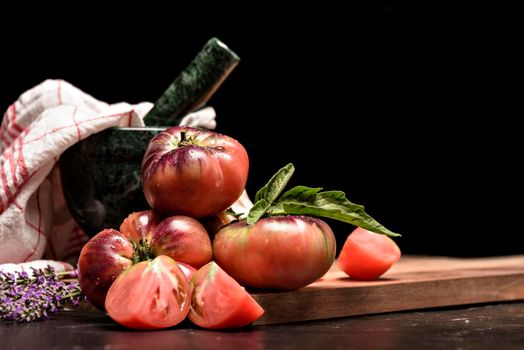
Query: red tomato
[[219, 301], [193, 172], [143, 236], [150, 295], [179, 237], [101, 260], [367, 255], [281, 252]]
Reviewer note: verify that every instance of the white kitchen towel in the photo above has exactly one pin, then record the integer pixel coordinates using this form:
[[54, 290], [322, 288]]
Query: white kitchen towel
[[28, 267], [47, 119]]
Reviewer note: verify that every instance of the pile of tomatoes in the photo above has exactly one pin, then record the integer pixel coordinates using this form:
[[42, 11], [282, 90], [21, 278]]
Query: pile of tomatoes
[[163, 266]]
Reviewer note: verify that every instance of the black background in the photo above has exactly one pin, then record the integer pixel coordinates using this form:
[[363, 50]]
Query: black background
[[411, 109]]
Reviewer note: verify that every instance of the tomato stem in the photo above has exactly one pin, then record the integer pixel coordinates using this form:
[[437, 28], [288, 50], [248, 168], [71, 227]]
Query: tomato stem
[[186, 140], [142, 251]]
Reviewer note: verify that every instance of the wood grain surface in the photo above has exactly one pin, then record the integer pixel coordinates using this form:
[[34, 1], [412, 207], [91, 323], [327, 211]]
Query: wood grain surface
[[413, 283]]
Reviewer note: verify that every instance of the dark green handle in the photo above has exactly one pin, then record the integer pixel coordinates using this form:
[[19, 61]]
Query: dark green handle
[[195, 85]]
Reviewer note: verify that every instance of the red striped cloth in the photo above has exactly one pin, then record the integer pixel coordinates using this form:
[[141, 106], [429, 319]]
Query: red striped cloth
[[34, 220], [36, 129]]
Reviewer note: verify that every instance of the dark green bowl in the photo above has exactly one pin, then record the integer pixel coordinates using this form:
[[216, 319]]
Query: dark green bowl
[[101, 177], [101, 174]]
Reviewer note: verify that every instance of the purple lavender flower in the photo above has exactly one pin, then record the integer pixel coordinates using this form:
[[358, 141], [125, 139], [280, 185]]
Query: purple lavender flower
[[25, 298]]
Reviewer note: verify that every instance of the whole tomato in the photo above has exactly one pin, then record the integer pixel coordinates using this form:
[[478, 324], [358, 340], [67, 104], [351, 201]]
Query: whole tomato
[[281, 252], [193, 172], [142, 237]]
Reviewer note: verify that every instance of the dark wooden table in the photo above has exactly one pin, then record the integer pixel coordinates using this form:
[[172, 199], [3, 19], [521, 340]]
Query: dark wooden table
[[492, 326]]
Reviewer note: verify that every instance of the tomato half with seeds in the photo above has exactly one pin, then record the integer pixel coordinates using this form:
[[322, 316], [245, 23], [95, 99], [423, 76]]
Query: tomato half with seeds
[[188, 270], [219, 302], [367, 255], [143, 236], [150, 295]]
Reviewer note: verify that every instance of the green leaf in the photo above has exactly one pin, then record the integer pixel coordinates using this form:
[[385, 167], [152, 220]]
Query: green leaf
[[302, 200], [300, 193], [257, 211], [329, 204], [231, 212], [276, 184]]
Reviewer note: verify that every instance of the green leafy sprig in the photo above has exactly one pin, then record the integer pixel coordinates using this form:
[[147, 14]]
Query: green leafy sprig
[[303, 200]]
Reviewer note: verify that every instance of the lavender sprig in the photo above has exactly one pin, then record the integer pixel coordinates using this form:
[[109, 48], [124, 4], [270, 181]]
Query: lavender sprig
[[25, 298]]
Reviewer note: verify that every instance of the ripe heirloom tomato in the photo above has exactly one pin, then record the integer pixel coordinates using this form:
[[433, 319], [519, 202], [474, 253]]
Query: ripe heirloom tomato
[[280, 252], [150, 295], [193, 172], [180, 237], [218, 300], [142, 236], [367, 255]]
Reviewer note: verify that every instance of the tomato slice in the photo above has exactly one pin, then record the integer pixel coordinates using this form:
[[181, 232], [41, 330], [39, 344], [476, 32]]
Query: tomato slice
[[150, 295], [188, 270], [219, 301], [367, 255]]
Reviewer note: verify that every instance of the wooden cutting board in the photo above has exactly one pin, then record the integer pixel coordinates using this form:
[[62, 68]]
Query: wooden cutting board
[[413, 283]]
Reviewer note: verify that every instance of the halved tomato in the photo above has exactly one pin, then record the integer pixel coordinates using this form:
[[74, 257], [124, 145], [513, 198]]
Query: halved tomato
[[150, 295], [219, 301], [188, 270], [367, 255]]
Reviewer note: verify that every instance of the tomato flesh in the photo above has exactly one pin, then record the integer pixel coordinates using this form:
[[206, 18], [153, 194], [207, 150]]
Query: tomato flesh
[[219, 302], [150, 295], [188, 270], [142, 236], [367, 255]]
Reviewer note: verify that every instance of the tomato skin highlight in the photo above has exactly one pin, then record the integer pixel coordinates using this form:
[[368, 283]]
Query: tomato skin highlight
[[193, 172], [140, 225], [101, 261], [183, 239], [150, 295], [367, 255], [219, 302], [179, 237], [281, 252]]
